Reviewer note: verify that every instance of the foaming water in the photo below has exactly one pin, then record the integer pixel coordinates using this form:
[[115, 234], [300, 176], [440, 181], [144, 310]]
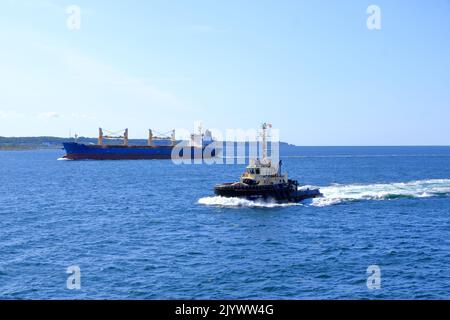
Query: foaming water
[[355, 192], [339, 193], [239, 202]]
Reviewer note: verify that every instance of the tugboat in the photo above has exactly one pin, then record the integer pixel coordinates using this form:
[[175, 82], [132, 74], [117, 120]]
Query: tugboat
[[264, 180]]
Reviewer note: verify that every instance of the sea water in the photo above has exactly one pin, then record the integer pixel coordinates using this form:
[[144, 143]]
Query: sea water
[[154, 230]]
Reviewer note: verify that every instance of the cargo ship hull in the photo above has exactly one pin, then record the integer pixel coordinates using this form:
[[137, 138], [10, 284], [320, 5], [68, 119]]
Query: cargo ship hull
[[78, 151]]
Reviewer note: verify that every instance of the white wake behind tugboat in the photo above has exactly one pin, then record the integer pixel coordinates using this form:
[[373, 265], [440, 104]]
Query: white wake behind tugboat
[[264, 180]]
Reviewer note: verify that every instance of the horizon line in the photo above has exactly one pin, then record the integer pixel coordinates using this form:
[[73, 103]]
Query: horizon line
[[289, 143]]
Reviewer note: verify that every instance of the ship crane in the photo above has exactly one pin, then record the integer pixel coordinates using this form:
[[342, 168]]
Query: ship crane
[[170, 135], [112, 136]]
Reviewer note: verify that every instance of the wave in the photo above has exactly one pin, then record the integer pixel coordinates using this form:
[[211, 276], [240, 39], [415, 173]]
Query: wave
[[63, 159], [338, 193], [240, 202]]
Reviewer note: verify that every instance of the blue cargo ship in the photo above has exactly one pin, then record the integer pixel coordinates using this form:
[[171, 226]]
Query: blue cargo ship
[[155, 149]]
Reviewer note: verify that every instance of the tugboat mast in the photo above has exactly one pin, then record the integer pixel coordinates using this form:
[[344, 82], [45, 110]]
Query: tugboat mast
[[264, 139]]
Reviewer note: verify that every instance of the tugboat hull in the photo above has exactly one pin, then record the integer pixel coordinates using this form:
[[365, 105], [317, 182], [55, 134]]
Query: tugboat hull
[[279, 193]]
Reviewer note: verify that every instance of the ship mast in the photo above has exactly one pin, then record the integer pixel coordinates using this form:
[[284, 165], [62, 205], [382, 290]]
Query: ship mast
[[264, 139], [100, 136]]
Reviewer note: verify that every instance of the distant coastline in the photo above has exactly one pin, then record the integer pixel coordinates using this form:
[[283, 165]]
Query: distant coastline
[[46, 142], [32, 143]]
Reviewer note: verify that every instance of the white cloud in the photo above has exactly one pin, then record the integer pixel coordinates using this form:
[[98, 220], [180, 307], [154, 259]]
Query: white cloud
[[8, 114], [48, 115]]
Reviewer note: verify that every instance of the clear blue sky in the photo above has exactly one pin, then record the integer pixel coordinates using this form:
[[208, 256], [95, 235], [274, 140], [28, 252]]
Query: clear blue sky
[[312, 68]]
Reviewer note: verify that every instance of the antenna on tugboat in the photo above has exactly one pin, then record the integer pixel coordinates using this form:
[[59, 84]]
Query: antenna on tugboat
[[264, 127]]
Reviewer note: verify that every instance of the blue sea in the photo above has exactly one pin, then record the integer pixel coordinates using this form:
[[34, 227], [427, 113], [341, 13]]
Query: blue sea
[[154, 230]]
